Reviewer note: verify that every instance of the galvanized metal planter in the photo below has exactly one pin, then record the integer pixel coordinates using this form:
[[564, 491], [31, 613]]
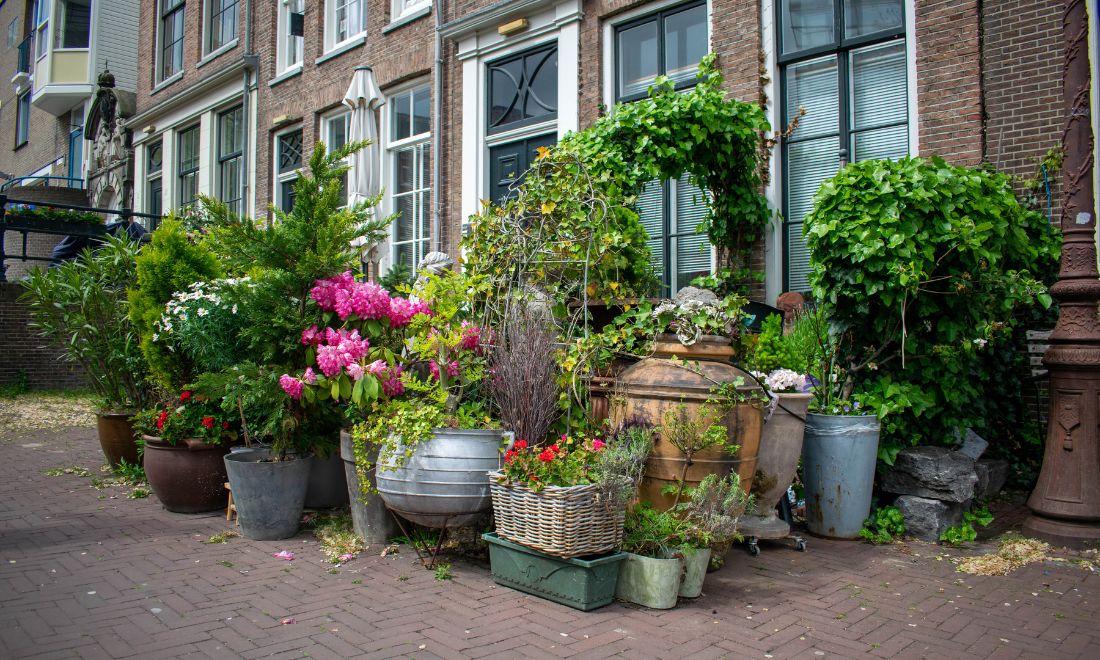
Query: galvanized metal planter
[[444, 483], [838, 471], [579, 583], [650, 582]]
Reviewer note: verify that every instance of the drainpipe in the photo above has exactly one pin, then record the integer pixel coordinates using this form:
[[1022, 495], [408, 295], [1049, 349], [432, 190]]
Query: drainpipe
[[251, 63], [437, 156]]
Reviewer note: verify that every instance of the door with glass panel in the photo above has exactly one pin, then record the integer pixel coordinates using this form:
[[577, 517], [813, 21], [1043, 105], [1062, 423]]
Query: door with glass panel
[[844, 63], [508, 164]]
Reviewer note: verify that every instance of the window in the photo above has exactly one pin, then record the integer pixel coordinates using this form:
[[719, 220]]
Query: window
[[347, 20], [230, 148], [335, 137], [410, 174], [290, 159], [669, 43], [292, 29], [42, 26], [523, 89], [75, 23], [403, 7], [22, 119], [171, 38], [223, 23], [13, 32], [846, 66], [154, 157], [189, 165]]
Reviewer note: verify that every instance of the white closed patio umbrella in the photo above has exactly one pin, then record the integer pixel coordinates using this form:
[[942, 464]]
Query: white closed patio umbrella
[[365, 176]]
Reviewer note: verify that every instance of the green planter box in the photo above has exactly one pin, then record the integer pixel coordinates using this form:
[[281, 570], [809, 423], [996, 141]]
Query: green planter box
[[584, 585]]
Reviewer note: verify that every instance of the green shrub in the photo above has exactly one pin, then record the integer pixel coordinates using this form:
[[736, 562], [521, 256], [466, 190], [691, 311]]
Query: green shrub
[[965, 533], [772, 350], [883, 525]]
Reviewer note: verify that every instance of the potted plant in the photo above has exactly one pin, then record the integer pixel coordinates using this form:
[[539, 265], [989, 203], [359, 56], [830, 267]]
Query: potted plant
[[922, 268], [184, 441], [80, 305], [718, 507], [559, 515]]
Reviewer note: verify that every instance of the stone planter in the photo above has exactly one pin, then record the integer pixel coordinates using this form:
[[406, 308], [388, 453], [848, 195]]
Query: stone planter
[[372, 521], [188, 477], [117, 438], [650, 582], [444, 482], [269, 495], [838, 471], [581, 584], [695, 571], [776, 464], [328, 485]]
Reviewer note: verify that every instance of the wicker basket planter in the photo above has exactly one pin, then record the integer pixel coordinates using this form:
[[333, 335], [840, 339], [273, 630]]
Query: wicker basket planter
[[560, 521]]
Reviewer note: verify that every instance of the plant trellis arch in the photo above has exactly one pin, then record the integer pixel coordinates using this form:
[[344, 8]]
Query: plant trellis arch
[[717, 140]]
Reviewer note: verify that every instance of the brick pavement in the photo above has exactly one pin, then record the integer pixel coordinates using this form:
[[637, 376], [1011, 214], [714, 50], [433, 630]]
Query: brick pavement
[[116, 578]]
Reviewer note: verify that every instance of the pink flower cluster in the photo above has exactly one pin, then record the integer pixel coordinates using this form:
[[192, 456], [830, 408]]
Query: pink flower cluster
[[471, 337], [452, 369], [292, 386], [367, 300], [340, 349]]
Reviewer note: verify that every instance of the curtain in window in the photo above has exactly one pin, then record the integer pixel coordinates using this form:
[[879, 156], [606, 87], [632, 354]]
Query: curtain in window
[[879, 113]]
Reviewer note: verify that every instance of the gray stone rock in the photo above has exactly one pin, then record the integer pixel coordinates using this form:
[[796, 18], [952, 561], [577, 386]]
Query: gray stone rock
[[973, 445], [992, 475], [694, 293], [925, 518], [934, 472]]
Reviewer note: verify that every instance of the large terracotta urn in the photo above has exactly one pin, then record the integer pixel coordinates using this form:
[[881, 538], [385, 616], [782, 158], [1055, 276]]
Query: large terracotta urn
[[685, 375], [776, 464]]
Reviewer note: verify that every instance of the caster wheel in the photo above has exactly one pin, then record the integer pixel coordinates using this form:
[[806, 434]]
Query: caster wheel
[[755, 550], [800, 546]]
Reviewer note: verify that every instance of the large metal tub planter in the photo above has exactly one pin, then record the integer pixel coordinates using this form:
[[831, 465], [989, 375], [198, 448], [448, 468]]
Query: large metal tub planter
[[649, 581], [328, 484], [838, 472], [189, 476], [581, 583], [443, 483], [117, 438], [372, 522], [269, 495], [657, 384], [776, 464]]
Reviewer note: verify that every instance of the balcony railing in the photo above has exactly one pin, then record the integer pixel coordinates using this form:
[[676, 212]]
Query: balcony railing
[[24, 63], [69, 181]]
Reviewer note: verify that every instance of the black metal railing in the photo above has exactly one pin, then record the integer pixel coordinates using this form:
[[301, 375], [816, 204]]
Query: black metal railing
[[74, 181], [29, 224], [24, 62]]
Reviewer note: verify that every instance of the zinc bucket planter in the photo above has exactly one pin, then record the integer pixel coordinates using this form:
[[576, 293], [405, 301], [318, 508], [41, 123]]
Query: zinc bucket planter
[[583, 584], [372, 521], [269, 495], [563, 521], [188, 477], [117, 438], [838, 472], [328, 485], [695, 571], [650, 582]]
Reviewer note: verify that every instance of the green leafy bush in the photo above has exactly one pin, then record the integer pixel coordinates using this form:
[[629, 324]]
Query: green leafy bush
[[883, 525], [922, 267], [965, 533], [772, 350]]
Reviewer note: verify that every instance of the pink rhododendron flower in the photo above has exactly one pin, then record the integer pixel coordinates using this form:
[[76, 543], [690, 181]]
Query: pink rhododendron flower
[[377, 367], [285, 554], [341, 349], [452, 369], [311, 336], [325, 293], [393, 386], [310, 377], [292, 386], [598, 444], [402, 311], [355, 370]]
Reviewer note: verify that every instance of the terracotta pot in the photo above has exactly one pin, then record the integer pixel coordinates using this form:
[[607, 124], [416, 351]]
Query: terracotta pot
[[656, 384], [188, 477], [597, 395], [776, 463], [117, 438]]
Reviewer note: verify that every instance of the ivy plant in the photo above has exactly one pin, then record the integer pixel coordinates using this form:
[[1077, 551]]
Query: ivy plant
[[965, 533]]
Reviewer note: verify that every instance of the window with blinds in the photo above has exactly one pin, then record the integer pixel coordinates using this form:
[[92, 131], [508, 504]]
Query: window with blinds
[[672, 214], [846, 66]]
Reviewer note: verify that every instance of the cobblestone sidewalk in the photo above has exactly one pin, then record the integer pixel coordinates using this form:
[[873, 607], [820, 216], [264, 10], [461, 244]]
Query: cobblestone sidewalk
[[86, 577]]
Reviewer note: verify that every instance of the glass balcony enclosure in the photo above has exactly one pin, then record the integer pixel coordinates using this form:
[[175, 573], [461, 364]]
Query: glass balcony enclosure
[[62, 73]]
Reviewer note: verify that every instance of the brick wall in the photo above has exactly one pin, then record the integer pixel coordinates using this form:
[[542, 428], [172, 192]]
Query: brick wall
[[949, 80], [1022, 75], [22, 348]]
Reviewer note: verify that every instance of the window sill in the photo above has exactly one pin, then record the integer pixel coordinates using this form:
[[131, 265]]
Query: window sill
[[166, 82], [285, 75], [408, 18], [210, 57], [342, 48], [20, 145]]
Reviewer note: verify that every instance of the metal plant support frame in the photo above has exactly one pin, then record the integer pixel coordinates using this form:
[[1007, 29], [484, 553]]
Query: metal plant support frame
[[57, 228], [1065, 506]]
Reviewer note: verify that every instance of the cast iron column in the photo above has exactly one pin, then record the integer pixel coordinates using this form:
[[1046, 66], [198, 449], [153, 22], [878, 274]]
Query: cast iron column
[[1065, 507]]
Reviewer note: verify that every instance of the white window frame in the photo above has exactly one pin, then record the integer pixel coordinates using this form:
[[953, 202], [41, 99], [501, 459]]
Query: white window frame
[[389, 170], [341, 114], [208, 48], [282, 63], [282, 177], [610, 78], [332, 40], [42, 38], [400, 9]]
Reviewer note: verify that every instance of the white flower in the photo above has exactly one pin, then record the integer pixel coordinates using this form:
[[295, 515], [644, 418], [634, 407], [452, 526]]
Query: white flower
[[234, 309], [981, 342], [155, 336], [783, 380], [202, 311]]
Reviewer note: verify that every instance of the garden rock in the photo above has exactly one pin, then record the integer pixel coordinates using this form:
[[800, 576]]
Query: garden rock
[[925, 519], [693, 293], [992, 475], [973, 445], [933, 472]]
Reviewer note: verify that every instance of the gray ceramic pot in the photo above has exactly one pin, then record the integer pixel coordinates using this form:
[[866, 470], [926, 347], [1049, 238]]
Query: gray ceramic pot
[[270, 495]]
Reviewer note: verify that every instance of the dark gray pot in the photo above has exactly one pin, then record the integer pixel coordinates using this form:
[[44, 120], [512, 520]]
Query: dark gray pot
[[269, 496], [328, 487], [371, 520]]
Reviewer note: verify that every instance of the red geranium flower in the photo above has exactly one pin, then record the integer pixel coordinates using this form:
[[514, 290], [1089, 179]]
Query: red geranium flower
[[208, 422], [161, 420], [225, 425], [546, 456], [185, 396], [522, 444]]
